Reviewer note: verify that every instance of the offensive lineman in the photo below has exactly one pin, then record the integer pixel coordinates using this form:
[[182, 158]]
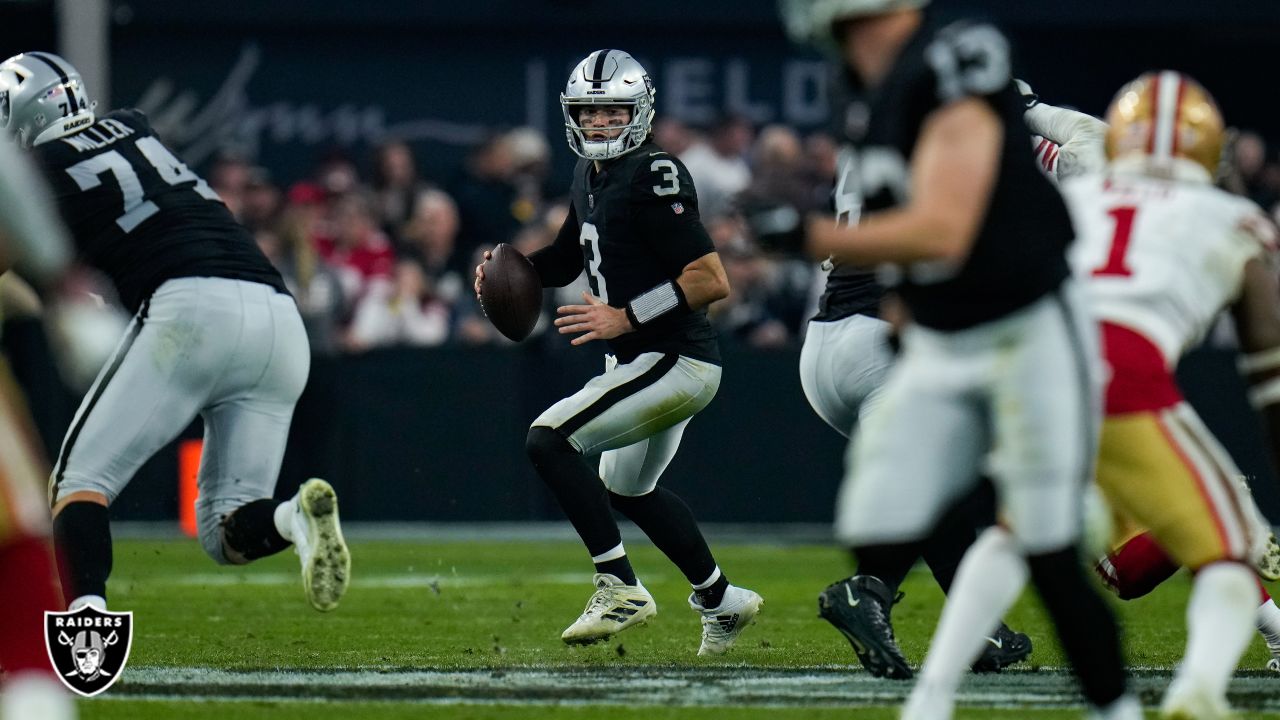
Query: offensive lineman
[[1163, 252], [633, 225], [843, 363], [214, 333], [998, 353]]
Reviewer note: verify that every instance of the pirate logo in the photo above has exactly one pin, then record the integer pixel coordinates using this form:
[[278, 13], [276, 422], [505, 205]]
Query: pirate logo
[[88, 647]]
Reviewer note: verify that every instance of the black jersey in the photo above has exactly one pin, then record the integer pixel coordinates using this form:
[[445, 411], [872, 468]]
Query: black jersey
[[138, 214], [632, 226], [1019, 253]]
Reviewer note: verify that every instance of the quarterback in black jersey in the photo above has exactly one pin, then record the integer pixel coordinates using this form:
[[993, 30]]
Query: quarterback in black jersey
[[999, 361], [214, 334], [633, 227]]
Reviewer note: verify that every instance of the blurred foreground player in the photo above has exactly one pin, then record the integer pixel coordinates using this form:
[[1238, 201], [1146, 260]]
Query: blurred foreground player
[[999, 358], [633, 225], [1162, 252], [847, 354], [30, 235], [214, 334]]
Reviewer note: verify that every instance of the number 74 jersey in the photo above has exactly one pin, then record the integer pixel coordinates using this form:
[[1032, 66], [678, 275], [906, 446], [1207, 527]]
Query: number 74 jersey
[[1162, 257], [140, 215]]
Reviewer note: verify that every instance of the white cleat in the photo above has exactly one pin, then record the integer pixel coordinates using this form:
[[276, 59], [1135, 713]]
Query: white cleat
[[317, 538], [1188, 701], [1268, 564], [721, 626], [613, 607]]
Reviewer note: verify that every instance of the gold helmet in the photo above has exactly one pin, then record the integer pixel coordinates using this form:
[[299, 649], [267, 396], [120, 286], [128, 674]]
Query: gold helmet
[[1163, 116]]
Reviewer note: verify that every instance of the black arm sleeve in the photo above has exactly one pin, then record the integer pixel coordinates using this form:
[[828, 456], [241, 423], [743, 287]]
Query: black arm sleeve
[[559, 263]]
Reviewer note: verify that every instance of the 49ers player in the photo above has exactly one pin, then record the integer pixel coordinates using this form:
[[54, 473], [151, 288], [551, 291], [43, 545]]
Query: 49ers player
[[1162, 252]]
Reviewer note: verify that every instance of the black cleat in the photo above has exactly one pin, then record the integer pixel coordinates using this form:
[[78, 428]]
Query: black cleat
[[859, 608], [1004, 648]]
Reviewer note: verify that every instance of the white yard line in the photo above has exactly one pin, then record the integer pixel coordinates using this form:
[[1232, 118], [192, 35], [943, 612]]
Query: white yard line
[[644, 686]]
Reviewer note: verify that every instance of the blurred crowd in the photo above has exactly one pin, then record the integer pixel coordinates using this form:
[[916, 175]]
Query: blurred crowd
[[377, 256]]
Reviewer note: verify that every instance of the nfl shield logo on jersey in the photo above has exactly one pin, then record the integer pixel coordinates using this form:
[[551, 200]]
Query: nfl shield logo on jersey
[[677, 208], [88, 647]]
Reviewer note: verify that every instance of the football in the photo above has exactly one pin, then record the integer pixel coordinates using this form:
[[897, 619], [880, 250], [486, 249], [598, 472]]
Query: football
[[511, 294]]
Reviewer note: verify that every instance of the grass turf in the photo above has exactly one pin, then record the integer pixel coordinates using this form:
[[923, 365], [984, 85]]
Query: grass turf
[[133, 710], [479, 605]]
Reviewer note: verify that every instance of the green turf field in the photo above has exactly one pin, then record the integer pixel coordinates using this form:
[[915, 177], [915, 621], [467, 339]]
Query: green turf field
[[500, 607]]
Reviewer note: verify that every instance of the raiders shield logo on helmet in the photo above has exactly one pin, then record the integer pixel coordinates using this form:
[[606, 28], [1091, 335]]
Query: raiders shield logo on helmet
[[88, 647]]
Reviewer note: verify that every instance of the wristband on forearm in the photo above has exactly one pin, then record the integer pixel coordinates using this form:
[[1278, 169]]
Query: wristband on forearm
[[1262, 369], [662, 300]]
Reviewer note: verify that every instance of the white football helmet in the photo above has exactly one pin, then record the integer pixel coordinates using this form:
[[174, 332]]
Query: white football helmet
[[42, 98], [608, 77], [810, 21]]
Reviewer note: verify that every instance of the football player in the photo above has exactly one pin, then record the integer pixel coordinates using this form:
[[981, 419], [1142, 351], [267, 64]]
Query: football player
[[843, 363], [214, 334], [998, 357], [31, 235], [1070, 144], [1163, 252], [633, 226]]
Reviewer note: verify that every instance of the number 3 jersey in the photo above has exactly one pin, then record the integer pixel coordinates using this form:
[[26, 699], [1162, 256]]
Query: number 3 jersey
[[1019, 253], [633, 226], [1162, 257], [138, 214]]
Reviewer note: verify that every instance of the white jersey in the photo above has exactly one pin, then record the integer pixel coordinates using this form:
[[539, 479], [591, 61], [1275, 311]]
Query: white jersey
[[1162, 257]]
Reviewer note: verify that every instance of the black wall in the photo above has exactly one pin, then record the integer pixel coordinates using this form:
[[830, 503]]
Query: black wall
[[439, 435]]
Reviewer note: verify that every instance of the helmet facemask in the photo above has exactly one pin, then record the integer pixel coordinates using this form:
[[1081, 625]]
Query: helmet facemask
[[608, 78]]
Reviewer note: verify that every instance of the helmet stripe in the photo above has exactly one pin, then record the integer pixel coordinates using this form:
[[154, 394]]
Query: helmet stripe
[[1177, 111], [1167, 93], [1155, 103], [62, 76], [597, 72]]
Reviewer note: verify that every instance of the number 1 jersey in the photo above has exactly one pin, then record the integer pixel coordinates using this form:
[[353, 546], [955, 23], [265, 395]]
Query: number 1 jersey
[[1162, 257], [138, 214]]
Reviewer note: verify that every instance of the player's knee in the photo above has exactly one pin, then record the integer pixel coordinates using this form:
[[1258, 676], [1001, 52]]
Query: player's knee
[[543, 443], [628, 504], [209, 525]]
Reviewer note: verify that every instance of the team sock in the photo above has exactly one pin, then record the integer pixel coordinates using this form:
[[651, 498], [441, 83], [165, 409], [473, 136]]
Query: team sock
[[577, 488], [670, 524], [1086, 628], [888, 563], [989, 580], [29, 582], [614, 562], [250, 531], [82, 536], [1222, 603], [1137, 567], [710, 592], [1268, 622]]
